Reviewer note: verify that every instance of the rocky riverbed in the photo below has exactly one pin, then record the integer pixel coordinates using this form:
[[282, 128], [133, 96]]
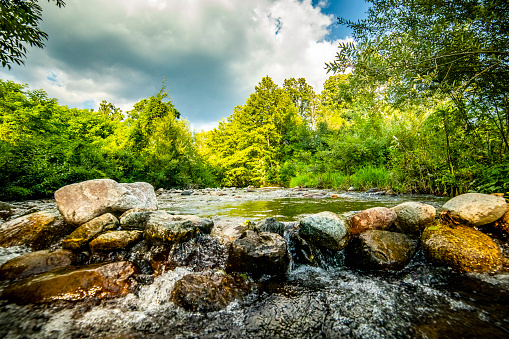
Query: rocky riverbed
[[253, 262]]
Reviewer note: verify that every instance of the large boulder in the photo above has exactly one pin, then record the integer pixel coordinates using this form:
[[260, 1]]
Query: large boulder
[[228, 229], [81, 202], [164, 228], [37, 230], [35, 263], [325, 229], [380, 250], [208, 291], [413, 217], [474, 209], [376, 218], [81, 236], [258, 253], [115, 240], [72, 284], [462, 248]]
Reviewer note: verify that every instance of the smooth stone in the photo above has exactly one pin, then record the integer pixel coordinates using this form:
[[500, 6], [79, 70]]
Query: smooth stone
[[413, 217], [163, 228], [187, 192], [35, 263], [463, 248], [82, 235], [115, 240], [474, 209], [380, 250], [325, 229], [37, 230], [72, 284], [258, 253], [376, 218], [227, 230], [145, 194], [207, 292]]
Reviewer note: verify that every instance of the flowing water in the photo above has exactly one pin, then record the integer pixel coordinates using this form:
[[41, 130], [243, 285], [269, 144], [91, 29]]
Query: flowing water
[[332, 301]]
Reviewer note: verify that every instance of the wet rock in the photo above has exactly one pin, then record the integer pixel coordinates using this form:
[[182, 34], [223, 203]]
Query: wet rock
[[206, 292], [81, 202], [6, 210], [373, 190], [134, 219], [187, 192], [163, 228], [325, 229], [94, 281], [204, 225], [145, 194], [301, 253], [271, 225], [413, 216], [200, 253], [258, 253], [35, 263], [115, 240], [376, 218], [380, 250], [37, 230], [228, 229], [503, 223], [462, 248], [81, 236], [474, 209]]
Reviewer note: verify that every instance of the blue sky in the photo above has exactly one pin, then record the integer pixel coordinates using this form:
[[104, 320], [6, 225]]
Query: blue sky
[[211, 53]]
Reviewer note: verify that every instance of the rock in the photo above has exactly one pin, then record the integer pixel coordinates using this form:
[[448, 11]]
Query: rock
[[37, 230], [72, 284], [271, 225], [134, 219], [187, 192], [258, 253], [115, 240], [503, 223], [145, 194], [81, 202], [376, 218], [200, 253], [413, 216], [300, 251], [391, 192], [380, 250], [351, 189], [206, 292], [325, 229], [228, 229], [474, 209], [204, 225], [163, 228], [35, 263], [462, 248], [373, 190], [81, 236], [6, 210]]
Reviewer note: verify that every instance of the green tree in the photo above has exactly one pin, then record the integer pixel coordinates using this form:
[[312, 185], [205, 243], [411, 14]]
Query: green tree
[[19, 25]]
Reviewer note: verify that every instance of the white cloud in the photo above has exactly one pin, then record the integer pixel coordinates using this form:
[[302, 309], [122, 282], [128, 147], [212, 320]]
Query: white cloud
[[211, 52]]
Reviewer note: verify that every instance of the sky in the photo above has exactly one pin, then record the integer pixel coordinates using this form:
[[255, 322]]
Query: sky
[[210, 53]]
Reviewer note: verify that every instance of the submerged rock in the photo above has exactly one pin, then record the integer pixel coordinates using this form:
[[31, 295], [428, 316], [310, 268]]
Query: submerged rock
[[115, 240], [81, 202], [228, 229], [164, 228], [325, 229], [413, 217], [35, 263], [380, 250], [37, 230], [258, 253], [81, 236], [474, 209], [271, 225], [376, 218], [206, 292], [462, 248], [72, 284]]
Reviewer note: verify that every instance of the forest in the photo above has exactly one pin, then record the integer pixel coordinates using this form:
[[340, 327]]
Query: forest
[[424, 109]]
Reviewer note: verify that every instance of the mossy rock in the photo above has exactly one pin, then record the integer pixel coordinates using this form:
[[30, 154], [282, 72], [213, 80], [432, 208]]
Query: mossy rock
[[115, 240], [462, 248]]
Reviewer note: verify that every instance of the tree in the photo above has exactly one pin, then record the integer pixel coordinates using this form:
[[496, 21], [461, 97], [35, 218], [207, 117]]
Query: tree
[[19, 25]]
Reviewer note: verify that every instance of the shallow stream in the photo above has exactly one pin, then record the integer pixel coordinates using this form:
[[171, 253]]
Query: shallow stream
[[421, 301]]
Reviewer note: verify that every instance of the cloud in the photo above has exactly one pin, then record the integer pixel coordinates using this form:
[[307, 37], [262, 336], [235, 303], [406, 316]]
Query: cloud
[[211, 52]]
